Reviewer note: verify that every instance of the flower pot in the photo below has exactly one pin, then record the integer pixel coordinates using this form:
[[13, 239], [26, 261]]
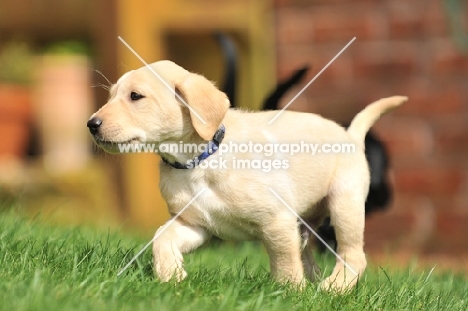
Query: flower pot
[[15, 118], [63, 102]]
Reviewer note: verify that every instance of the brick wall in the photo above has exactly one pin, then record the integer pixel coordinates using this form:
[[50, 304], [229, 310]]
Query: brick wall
[[402, 47]]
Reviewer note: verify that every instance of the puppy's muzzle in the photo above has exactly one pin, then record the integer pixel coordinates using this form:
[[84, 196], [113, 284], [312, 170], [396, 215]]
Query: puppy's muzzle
[[94, 124]]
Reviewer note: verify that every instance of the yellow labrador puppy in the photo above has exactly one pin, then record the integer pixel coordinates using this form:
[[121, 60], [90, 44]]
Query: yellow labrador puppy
[[253, 177]]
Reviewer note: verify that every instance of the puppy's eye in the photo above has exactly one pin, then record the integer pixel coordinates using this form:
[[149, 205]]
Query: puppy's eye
[[135, 96]]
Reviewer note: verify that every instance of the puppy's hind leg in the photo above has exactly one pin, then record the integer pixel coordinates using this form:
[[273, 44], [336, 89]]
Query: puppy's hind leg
[[346, 206], [175, 239]]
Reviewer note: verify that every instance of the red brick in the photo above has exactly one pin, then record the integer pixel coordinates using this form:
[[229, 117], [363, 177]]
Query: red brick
[[385, 230], [301, 103], [293, 26], [451, 234], [405, 20], [403, 47], [415, 19], [386, 59], [329, 101], [338, 105], [413, 223], [461, 201], [406, 138], [432, 97], [292, 58], [330, 22], [408, 223], [343, 22], [317, 57], [457, 203], [404, 29], [451, 136], [435, 19], [447, 58], [429, 180]]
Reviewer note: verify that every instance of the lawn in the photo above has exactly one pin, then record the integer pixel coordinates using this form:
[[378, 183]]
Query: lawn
[[48, 267]]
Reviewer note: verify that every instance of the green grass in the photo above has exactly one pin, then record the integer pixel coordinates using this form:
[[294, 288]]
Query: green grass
[[45, 267]]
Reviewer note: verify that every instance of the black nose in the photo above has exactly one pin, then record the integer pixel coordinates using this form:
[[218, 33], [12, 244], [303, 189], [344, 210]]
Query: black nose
[[93, 125]]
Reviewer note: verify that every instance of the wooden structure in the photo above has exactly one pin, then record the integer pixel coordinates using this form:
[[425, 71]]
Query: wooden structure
[[182, 31]]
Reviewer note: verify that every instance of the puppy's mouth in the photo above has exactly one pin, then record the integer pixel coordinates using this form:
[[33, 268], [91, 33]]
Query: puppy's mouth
[[116, 146]]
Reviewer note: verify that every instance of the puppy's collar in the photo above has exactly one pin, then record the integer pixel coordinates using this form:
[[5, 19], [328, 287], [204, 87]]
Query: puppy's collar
[[211, 148]]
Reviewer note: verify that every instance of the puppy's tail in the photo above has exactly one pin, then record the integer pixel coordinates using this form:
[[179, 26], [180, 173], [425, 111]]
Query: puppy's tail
[[364, 120]]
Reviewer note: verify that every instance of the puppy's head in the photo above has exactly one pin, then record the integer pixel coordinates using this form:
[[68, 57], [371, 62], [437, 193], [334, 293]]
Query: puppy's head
[[162, 103]]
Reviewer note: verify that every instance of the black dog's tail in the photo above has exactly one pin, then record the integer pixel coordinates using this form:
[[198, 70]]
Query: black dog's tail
[[228, 49], [271, 102]]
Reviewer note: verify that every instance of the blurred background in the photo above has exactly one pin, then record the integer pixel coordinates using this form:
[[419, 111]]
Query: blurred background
[[55, 56]]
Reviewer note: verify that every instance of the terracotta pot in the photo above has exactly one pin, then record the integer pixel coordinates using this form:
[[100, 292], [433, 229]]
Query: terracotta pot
[[15, 117], [63, 102]]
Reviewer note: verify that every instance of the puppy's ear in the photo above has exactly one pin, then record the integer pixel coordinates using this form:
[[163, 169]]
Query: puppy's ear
[[208, 105]]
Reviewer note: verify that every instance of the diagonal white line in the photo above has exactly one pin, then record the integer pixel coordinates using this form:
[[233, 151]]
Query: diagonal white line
[[313, 79], [160, 232], [161, 79], [312, 230]]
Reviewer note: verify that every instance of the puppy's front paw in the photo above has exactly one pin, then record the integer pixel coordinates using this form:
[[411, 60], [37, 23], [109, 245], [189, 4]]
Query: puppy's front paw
[[168, 273], [168, 263]]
